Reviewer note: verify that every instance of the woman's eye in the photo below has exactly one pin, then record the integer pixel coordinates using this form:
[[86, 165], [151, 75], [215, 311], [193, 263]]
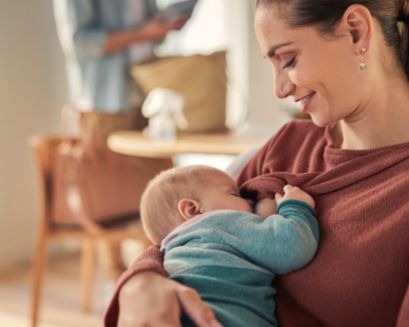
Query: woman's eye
[[289, 64]]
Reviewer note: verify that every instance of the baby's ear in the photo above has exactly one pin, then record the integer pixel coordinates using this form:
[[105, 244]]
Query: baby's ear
[[188, 208]]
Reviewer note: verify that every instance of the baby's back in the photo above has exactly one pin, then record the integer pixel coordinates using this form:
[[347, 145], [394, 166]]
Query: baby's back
[[205, 257]]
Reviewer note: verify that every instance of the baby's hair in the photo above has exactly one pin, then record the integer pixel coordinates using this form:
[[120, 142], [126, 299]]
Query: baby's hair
[[159, 202]]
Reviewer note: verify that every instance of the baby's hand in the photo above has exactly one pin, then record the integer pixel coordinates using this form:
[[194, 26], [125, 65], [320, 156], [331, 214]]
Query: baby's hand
[[294, 193]]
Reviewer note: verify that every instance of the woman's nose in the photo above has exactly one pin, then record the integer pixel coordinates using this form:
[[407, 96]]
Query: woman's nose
[[283, 86]]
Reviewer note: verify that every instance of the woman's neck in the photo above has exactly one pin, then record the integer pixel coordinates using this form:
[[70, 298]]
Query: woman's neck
[[383, 121]]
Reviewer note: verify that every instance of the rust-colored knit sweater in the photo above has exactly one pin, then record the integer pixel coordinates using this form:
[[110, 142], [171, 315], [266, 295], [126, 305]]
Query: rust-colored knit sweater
[[360, 275]]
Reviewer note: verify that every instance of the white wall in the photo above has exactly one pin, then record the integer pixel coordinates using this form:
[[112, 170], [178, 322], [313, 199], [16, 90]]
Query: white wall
[[228, 24], [32, 91], [251, 95]]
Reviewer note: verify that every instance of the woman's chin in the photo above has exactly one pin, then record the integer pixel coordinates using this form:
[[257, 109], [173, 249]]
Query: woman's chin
[[320, 121]]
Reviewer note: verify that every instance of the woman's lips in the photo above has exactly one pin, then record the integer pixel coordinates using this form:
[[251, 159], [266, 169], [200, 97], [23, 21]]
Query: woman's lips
[[306, 101]]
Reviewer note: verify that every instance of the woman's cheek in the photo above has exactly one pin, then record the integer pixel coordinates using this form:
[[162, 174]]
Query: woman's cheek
[[296, 77]]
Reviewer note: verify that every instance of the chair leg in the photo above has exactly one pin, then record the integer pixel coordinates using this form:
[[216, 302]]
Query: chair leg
[[39, 265], [110, 254], [88, 268]]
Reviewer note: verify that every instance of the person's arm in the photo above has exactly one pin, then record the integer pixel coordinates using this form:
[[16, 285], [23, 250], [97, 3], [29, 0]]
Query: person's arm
[[154, 30], [81, 33], [151, 260], [282, 242], [145, 297]]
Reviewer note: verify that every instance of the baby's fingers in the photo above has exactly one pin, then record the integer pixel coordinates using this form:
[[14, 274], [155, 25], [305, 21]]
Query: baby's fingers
[[287, 188]]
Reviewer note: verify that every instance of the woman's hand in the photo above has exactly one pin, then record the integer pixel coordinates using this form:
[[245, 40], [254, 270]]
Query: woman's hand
[[178, 23], [148, 299], [157, 29]]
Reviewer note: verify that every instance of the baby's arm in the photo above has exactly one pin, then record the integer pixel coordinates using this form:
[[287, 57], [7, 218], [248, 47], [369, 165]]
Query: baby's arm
[[294, 193], [286, 241], [267, 207]]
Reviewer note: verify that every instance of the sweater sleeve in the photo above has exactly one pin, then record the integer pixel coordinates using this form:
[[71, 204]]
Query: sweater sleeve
[[286, 241], [150, 260], [280, 243]]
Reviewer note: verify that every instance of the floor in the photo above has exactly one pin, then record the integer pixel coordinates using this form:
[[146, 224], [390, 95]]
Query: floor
[[61, 298]]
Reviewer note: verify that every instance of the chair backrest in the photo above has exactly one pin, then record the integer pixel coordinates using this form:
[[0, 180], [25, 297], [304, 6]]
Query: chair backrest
[[44, 148]]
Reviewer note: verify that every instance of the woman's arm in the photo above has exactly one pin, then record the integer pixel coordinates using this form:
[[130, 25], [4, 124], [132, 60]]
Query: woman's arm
[[149, 299], [145, 297]]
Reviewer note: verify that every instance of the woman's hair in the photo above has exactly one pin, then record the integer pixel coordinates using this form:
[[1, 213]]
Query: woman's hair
[[392, 15], [159, 202]]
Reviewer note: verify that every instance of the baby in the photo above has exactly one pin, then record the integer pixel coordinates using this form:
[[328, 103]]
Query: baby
[[213, 242]]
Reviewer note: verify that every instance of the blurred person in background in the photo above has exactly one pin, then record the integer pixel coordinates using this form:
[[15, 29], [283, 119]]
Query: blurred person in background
[[101, 40]]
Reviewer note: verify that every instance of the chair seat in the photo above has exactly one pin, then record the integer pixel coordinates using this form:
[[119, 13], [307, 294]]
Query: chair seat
[[112, 222]]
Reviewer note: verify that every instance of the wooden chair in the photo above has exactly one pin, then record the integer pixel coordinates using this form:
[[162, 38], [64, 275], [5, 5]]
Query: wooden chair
[[89, 232]]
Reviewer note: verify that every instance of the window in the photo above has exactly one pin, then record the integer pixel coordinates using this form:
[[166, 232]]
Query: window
[[218, 25]]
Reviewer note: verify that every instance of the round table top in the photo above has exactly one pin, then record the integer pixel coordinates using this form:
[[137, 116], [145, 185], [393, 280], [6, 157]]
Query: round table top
[[135, 143]]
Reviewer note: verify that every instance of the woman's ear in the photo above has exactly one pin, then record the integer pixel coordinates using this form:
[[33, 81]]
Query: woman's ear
[[357, 21], [188, 208]]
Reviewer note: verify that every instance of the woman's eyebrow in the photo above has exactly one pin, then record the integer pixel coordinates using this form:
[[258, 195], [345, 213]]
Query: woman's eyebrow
[[271, 52]]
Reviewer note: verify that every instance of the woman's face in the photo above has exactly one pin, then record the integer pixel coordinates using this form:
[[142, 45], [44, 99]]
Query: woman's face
[[321, 73]]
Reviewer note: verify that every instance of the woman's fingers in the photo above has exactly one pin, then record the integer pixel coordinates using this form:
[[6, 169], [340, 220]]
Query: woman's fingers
[[149, 300], [197, 310]]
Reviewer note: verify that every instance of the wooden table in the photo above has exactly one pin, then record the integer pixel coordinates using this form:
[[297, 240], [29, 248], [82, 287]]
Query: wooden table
[[135, 143]]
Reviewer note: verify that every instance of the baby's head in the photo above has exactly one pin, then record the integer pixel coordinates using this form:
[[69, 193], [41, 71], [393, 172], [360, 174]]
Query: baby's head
[[181, 193]]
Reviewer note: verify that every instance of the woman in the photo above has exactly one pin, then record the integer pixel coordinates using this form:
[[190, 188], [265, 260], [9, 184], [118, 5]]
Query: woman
[[342, 61]]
